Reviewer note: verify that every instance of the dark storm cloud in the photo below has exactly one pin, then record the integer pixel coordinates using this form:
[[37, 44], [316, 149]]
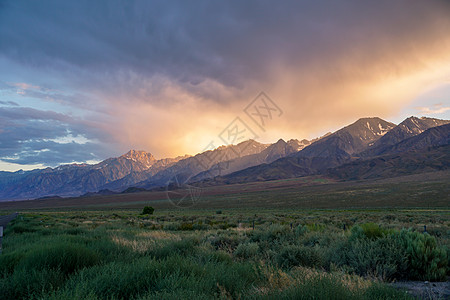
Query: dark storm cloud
[[46, 94], [121, 45]]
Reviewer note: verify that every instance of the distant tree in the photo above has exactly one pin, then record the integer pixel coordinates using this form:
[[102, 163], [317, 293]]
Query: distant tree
[[148, 210]]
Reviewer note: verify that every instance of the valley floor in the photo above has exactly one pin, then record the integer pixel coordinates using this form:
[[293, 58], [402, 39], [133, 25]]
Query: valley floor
[[302, 238], [427, 190]]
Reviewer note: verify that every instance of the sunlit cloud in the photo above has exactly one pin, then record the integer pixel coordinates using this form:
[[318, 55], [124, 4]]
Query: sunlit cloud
[[438, 108], [24, 86]]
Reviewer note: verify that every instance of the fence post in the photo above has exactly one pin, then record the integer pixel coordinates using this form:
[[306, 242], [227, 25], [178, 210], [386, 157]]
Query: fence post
[[1, 239]]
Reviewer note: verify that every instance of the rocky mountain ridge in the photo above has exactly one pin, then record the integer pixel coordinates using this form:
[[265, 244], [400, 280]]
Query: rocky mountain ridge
[[348, 150]]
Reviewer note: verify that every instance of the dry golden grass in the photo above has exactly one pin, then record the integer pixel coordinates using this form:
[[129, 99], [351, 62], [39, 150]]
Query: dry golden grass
[[276, 279], [351, 282], [159, 235], [140, 246], [279, 280], [144, 241]]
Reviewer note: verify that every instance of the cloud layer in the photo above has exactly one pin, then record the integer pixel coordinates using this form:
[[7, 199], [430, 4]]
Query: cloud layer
[[167, 77]]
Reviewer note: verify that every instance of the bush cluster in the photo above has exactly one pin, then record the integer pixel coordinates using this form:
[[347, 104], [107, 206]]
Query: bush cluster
[[148, 210]]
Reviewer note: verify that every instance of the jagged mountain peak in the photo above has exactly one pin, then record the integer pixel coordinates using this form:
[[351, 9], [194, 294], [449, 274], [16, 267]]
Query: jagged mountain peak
[[239, 145], [351, 139], [298, 145], [411, 127], [374, 124], [246, 147], [143, 157], [137, 154], [422, 123], [370, 119], [366, 129], [248, 142]]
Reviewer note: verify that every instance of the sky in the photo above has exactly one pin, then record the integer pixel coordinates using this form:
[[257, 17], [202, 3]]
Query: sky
[[81, 81]]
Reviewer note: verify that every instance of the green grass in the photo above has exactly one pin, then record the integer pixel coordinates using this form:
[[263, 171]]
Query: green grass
[[199, 254]]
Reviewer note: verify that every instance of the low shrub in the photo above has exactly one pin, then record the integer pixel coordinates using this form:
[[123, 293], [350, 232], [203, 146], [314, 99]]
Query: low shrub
[[75, 231], [328, 286], [298, 255], [368, 230], [8, 262], [172, 226], [224, 242], [300, 230], [30, 284], [186, 226], [314, 288], [383, 258], [392, 255], [67, 258], [247, 250], [148, 210], [116, 280], [19, 228], [171, 248], [426, 260], [275, 232]]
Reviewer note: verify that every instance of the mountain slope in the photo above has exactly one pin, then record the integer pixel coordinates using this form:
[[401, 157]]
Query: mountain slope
[[351, 139], [271, 153], [425, 152], [410, 127], [331, 150], [76, 179], [201, 162], [425, 160], [135, 177], [432, 137]]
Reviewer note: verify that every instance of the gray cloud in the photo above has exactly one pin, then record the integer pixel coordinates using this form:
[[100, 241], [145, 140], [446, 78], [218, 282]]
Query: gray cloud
[[30, 136], [9, 103]]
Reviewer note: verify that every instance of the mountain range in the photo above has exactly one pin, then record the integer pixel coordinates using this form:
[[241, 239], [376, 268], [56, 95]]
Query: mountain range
[[366, 149], [353, 145]]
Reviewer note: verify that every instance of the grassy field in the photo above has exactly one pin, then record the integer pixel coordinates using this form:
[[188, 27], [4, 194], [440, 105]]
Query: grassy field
[[222, 253], [304, 238]]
